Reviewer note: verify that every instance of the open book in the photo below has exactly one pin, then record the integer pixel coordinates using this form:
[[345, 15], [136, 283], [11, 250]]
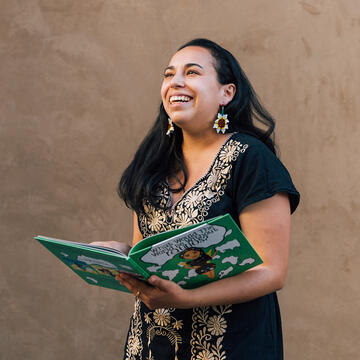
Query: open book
[[191, 256]]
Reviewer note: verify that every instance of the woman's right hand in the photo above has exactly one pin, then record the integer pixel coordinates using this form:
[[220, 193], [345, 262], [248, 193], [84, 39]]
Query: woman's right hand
[[121, 246]]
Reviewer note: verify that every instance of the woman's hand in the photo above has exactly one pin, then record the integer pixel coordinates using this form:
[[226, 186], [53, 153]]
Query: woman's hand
[[123, 247], [157, 293]]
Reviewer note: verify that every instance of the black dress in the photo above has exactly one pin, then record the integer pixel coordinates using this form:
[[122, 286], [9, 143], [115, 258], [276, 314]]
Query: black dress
[[244, 171]]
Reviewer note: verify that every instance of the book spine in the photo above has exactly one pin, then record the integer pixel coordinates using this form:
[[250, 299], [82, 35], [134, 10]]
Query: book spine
[[138, 268]]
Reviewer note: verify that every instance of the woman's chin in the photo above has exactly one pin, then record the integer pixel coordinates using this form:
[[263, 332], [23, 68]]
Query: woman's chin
[[180, 121]]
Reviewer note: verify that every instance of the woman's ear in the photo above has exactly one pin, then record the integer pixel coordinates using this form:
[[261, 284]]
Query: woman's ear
[[228, 92]]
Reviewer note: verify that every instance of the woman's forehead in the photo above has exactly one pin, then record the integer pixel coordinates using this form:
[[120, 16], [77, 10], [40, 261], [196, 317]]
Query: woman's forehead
[[192, 54]]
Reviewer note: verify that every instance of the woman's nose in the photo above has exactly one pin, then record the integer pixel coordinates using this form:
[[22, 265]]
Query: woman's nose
[[177, 81]]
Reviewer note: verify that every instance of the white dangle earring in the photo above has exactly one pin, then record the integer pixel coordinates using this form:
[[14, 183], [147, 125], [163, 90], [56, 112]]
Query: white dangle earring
[[170, 127], [221, 122]]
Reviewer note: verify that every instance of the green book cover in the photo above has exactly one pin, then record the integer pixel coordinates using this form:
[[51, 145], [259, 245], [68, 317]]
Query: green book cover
[[191, 256]]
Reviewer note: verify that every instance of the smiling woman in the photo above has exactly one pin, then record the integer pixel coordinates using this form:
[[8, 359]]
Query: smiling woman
[[189, 88], [185, 171]]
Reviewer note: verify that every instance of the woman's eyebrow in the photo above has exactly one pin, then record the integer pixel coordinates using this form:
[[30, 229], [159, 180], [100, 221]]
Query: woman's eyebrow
[[193, 64], [186, 66]]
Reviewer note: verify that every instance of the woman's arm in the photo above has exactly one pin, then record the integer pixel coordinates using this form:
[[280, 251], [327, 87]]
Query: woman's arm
[[267, 226], [136, 232]]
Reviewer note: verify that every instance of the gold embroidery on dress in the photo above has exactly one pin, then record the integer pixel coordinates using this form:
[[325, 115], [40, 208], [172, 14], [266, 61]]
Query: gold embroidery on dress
[[163, 323], [207, 331], [194, 205], [134, 343]]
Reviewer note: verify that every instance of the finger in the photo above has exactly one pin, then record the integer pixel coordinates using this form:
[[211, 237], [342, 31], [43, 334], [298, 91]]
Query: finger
[[124, 283], [129, 286], [133, 284], [161, 284]]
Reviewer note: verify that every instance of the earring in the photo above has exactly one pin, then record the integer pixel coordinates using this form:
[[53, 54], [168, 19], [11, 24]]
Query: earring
[[170, 127], [221, 123]]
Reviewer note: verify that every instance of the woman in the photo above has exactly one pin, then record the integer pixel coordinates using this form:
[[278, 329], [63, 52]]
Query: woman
[[205, 157]]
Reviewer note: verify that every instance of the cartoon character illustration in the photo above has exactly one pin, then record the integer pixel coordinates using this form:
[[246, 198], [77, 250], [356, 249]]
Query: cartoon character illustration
[[199, 261]]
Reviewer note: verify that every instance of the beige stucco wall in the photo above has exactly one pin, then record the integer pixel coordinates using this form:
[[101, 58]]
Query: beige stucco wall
[[79, 87]]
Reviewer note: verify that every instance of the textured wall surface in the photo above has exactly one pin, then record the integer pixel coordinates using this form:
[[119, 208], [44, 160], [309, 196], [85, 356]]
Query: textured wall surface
[[79, 87]]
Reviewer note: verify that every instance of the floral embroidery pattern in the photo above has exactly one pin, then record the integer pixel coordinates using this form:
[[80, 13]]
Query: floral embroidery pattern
[[134, 342], [216, 325], [161, 317], [206, 339], [194, 205], [163, 324], [178, 324]]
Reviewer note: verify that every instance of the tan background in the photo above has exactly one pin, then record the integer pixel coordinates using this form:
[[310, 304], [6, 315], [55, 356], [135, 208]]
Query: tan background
[[79, 87]]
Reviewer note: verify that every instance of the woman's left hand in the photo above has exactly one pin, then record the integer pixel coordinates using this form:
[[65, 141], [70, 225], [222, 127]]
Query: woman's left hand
[[157, 293]]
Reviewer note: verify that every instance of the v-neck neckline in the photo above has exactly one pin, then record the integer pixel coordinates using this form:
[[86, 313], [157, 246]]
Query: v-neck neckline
[[174, 204]]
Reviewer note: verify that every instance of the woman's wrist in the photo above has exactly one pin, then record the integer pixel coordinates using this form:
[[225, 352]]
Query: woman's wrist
[[191, 299]]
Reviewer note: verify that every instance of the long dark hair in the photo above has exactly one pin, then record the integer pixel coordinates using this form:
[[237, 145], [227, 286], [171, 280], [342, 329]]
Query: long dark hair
[[160, 157]]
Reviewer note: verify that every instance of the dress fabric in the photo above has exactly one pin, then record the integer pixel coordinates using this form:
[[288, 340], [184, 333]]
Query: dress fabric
[[243, 172]]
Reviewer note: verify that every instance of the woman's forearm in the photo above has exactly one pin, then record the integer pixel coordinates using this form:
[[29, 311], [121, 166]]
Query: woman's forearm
[[237, 289]]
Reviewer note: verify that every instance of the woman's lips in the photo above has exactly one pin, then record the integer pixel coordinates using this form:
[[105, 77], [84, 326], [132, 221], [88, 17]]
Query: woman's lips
[[179, 104], [175, 99]]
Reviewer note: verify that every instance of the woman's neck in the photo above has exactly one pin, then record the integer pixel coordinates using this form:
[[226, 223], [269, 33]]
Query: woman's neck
[[201, 142], [199, 153]]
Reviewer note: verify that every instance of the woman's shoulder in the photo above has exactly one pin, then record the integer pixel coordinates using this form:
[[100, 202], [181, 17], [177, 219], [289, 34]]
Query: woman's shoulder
[[249, 140], [251, 146], [259, 173]]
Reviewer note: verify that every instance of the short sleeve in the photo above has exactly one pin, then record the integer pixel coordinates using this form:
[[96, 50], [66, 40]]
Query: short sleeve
[[258, 175]]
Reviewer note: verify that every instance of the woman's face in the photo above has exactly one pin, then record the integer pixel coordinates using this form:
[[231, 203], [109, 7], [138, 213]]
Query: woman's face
[[191, 254], [190, 91]]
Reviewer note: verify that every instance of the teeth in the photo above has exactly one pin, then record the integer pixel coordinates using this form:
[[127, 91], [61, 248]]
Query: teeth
[[179, 98]]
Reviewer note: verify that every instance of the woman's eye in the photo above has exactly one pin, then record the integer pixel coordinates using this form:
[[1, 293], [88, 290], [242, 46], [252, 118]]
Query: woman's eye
[[168, 75], [191, 72]]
